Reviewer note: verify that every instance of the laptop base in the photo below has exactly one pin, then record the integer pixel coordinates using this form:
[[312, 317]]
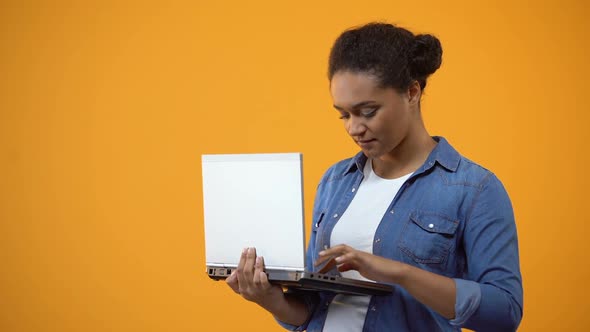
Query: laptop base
[[313, 281]]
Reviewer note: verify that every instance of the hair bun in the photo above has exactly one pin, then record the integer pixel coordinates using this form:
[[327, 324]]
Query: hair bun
[[426, 57]]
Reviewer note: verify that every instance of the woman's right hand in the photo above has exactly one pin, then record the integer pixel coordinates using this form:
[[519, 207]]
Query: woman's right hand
[[251, 282]]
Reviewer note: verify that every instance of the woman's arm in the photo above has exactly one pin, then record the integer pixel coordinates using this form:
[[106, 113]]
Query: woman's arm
[[493, 268], [433, 290]]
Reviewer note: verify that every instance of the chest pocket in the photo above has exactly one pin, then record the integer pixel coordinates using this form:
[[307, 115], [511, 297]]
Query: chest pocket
[[427, 237]]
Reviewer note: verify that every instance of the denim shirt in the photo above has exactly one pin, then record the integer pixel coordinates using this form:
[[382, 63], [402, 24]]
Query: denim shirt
[[451, 217]]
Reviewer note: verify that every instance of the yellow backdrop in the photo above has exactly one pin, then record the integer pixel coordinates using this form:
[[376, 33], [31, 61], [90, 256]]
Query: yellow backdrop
[[105, 109]]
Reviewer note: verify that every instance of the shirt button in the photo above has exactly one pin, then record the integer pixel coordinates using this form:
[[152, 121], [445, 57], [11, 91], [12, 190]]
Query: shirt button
[[392, 212], [378, 240], [353, 189], [431, 226], [373, 308], [336, 215]]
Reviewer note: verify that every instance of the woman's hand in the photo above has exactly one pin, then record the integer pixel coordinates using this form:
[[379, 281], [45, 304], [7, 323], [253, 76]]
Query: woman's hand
[[433, 290], [251, 282], [368, 265]]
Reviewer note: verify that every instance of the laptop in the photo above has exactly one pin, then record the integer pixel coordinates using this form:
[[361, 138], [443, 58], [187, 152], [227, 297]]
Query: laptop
[[256, 200]]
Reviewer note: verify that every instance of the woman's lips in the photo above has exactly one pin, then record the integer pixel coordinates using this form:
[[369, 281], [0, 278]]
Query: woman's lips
[[365, 142]]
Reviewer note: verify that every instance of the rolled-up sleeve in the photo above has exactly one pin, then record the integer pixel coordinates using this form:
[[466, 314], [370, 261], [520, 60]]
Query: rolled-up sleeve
[[466, 300], [490, 296]]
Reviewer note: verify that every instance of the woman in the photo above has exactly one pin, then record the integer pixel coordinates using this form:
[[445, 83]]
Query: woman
[[407, 210]]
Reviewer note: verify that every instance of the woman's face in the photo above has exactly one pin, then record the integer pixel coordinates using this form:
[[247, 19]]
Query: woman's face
[[378, 119]]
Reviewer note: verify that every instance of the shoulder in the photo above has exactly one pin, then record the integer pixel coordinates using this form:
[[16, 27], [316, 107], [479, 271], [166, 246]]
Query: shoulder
[[485, 188], [460, 170], [473, 173]]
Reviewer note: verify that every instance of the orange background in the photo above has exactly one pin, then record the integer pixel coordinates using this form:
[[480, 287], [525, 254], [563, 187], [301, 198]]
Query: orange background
[[105, 109]]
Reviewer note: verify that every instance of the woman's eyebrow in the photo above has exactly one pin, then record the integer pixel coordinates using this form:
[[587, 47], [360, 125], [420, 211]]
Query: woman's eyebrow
[[357, 105]]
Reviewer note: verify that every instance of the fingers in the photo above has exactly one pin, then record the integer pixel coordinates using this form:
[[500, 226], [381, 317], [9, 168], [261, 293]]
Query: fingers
[[326, 255], [328, 266], [347, 262], [240, 269], [345, 267], [264, 280], [332, 253], [346, 258], [257, 270], [249, 265], [245, 270], [338, 250], [260, 277], [322, 259], [250, 279], [232, 282], [342, 256]]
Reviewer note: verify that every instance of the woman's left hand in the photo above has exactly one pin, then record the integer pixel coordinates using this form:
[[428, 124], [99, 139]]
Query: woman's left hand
[[370, 266]]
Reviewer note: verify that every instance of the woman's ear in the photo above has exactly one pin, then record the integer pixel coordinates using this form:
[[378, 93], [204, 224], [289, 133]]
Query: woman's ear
[[414, 93]]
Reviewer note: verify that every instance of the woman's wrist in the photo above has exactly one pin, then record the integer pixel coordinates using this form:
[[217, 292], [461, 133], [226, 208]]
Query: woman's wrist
[[400, 273], [275, 303], [289, 309]]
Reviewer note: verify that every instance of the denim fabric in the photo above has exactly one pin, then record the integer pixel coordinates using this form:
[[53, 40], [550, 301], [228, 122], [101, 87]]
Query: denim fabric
[[451, 217]]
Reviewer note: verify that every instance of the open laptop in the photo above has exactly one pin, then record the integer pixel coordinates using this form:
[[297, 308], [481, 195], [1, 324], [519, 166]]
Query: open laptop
[[256, 200]]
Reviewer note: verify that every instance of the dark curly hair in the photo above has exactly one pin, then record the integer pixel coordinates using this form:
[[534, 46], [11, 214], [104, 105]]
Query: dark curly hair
[[394, 55]]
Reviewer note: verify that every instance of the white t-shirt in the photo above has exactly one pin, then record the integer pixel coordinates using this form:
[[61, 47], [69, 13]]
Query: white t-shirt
[[356, 228]]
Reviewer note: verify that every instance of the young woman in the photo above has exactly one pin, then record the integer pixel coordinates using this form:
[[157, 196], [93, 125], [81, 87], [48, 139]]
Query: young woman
[[407, 210]]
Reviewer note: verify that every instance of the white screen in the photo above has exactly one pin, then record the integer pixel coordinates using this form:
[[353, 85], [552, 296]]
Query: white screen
[[254, 200]]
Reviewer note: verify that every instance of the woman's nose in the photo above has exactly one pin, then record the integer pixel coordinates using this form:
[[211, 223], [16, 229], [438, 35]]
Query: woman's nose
[[355, 127]]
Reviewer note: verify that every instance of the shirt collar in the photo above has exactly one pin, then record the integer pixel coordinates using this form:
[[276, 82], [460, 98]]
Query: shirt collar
[[443, 154], [356, 163]]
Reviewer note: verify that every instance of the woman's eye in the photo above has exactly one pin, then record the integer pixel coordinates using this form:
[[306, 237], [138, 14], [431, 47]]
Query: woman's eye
[[344, 116], [369, 113]]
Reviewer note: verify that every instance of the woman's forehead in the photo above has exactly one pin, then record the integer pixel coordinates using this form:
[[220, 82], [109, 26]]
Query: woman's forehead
[[349, 88]]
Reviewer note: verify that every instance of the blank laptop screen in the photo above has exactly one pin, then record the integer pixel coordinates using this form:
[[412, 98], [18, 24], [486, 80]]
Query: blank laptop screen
[[254, 200]]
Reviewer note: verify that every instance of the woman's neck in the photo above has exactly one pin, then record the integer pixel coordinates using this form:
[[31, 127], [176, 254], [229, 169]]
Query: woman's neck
[[410, 154]]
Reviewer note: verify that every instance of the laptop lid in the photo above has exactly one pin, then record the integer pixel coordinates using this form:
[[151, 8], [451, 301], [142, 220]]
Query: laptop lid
[[254, 200]]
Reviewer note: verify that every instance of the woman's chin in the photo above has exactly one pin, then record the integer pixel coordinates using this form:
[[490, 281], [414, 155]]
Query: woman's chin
[[372, 153]]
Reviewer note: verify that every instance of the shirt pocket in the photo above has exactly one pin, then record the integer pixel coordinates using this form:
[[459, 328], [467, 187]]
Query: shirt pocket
[[428, 237]]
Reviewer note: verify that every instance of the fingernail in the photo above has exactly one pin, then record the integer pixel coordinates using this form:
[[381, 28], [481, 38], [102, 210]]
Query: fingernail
[[322, 253], [338, 259], [244, 250], [258, 260], [250, 250]]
